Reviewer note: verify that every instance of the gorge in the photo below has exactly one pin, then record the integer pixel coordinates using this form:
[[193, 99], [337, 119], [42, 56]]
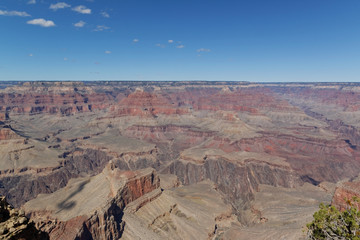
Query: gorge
[[177, 160]]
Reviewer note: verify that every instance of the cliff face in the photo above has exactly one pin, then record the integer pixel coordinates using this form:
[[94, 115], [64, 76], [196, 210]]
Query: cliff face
[[80, 214], [53, 98], [147, 104], [109, 224], [26, 185], [56, 136], [238, 182]]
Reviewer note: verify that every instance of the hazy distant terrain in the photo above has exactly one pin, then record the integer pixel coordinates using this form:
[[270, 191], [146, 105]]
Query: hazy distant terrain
[[176, 160]]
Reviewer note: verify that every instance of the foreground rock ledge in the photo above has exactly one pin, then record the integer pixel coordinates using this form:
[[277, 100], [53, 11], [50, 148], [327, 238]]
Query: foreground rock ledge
[[14, 224]]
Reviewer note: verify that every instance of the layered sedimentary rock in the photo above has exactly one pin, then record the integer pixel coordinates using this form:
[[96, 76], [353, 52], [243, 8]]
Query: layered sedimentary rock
[[58, 98], [237, 181], [238, 136], [28, 183], [91, 208], [188, 212], [280, 213]]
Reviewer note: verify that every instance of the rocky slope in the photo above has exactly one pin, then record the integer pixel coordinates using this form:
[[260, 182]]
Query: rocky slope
[[345, 192], [189, 212], [280, 213], [14, 225], [56, 137], [91, 208]]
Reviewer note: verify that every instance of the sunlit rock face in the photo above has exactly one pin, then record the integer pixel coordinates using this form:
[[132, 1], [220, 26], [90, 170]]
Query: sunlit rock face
[[346, 195], [15, 225], [91, 207], [226, 140]]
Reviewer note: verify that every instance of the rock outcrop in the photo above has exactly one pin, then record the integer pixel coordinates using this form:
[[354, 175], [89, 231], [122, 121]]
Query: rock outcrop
[[189, 212], [237, 181], [14, 225], [58, 139], [6, 133], [26, 185], [91, 208], [280, 213], [345, 193]]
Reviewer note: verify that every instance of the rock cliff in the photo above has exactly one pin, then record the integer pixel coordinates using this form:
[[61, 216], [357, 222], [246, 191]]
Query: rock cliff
[[91, 208], [64, 142], [14, 225]]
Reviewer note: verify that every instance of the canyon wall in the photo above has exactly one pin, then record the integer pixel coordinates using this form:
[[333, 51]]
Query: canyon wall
[[238, 135]]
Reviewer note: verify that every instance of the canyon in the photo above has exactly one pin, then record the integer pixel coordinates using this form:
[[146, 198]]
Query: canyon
[[177, 160]]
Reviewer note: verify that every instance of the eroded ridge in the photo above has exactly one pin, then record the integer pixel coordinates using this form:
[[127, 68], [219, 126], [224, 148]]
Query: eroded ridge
[[76, 155]]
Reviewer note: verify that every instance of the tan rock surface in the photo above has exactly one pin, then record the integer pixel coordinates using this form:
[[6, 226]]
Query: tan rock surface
[[280, 213], [14, 225], [90, 203], [189, 212]]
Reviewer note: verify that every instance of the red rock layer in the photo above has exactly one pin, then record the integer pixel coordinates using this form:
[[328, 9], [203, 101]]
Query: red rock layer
[[150, 104], [248, 100], [345, 192], [109, 224], [47, 102], [66, 230], [3, 116], [146, 104], [7, 133], [125, 101]]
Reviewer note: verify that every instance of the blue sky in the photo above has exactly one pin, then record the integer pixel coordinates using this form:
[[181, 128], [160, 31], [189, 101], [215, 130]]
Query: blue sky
[[253, 40]]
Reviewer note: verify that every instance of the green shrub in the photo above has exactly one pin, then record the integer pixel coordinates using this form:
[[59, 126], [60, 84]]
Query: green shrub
[[330, 223]]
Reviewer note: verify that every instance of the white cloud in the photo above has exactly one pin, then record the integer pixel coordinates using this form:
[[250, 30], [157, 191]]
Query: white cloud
[[30, 55], [31, 2], [14, 13], [41, 22], [160, 45], [170, 41], [80, 24], [136, 40], [82, 9], [108, 52], [203, 50], [59, 5], [180, 46], [104, 14], [100, 28]]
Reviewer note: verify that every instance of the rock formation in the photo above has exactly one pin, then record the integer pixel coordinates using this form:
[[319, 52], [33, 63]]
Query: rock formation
[[64, 145], [345, 192], [91, 208], [15, 225]]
